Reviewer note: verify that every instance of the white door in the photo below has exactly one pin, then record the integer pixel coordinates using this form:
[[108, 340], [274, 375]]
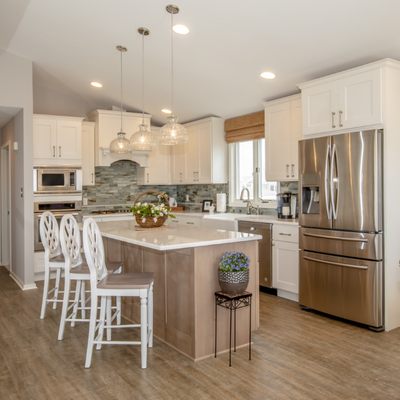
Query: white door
[[319, 114], [158, 171], [88, 173], [178, 163], [296, 133], [69, 140], [359, 100], [285, 265], [44, 138], [278, 142], [5, 215], [192, 156]]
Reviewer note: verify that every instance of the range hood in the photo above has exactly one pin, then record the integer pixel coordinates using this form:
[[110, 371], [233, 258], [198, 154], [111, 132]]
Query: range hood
[[139, 157]]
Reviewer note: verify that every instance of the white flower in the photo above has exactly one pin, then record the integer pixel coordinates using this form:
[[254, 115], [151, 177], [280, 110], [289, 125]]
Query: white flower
[[161, 214]]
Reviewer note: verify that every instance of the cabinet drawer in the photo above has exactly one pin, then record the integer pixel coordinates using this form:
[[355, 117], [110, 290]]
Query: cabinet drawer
[[285, 233]]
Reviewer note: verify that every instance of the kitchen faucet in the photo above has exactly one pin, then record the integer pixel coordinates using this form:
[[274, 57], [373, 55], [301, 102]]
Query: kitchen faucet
[[250, 206]]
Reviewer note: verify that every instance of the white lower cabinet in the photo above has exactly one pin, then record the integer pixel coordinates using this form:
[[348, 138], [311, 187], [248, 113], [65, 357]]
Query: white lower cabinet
[[285, 261]]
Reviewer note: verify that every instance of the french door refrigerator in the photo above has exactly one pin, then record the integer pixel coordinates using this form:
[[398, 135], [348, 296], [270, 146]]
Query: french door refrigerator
[[341, 228]]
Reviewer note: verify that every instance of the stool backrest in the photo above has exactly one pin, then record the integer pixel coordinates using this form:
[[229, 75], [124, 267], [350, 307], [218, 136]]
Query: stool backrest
[[49, 234], [70, 240], [94, 250]]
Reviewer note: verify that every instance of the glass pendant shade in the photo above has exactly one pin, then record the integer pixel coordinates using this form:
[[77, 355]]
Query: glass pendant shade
[[143, 139], [120, 145], [173, 133]]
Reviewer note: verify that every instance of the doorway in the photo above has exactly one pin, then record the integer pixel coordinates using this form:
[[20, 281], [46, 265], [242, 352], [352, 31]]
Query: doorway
[[5, 206]]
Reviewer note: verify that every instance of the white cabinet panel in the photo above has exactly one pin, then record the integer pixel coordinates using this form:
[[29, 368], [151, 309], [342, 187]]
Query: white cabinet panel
[[88, 172], [283, 127], [69, 140], [179, 157], [285, 264], [44, 138]]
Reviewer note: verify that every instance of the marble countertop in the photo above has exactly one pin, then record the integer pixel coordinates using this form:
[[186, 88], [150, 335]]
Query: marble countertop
[[170, 237]]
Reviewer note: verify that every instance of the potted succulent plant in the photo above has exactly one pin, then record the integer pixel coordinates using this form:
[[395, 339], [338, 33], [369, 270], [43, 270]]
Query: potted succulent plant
[[233, 272]]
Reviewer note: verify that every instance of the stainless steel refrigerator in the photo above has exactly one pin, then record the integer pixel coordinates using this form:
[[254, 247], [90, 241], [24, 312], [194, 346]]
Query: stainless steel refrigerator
[[341, 226]]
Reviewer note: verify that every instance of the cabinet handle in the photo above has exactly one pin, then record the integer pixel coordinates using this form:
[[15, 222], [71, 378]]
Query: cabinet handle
[[148, 179], [59, 151], [180, 177], [340, 118], [333, 119], [54, 151], [285, 234], [287, 171], [292, 170], [92, 177]]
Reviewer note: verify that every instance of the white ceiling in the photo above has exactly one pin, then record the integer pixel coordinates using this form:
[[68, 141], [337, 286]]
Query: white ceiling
[[72, 42]]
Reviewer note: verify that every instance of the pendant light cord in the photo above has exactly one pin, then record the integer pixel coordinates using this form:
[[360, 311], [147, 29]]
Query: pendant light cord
[[121, 91], [172, 64], [143, 78]]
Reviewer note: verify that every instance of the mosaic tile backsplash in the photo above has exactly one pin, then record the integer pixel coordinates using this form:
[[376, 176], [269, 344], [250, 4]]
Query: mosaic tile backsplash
[[117, 185]]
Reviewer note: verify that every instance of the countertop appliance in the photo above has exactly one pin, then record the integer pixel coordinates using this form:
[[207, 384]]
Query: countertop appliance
[[287, 205], [57, 180], [341, 234], [264, 248], [59, 207]]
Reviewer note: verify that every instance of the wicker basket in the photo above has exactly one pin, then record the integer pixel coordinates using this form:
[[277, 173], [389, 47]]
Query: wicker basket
[[149, 222]]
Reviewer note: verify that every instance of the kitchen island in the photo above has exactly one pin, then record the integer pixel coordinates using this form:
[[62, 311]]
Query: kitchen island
[[184, 261]]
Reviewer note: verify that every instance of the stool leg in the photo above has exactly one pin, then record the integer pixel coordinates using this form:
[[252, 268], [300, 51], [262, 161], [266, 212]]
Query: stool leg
[[83, 300], [143, 331], [230, 336], [56, 287], [64, 308], [102, 322], [92, 328], [76, 301], [234, 330], [216, 330], [150, 317], [109, 317], [45, 292], [119, 310], [250, 332]]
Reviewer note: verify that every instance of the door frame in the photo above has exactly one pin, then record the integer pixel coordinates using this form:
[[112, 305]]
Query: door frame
[[5, 190]]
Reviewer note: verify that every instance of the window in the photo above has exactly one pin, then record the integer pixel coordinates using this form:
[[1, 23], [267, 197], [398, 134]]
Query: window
[[247, 170]]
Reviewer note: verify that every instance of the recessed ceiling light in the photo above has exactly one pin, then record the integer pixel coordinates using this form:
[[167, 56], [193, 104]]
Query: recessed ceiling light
[[181, 29], [96, 84], [267, 75], [166, 111]]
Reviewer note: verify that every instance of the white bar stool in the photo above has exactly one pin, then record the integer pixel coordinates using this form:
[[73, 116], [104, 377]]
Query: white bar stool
[[105, 286], [53, 259]]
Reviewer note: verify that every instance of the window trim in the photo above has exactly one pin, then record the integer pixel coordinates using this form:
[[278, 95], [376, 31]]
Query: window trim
[[257, 177]]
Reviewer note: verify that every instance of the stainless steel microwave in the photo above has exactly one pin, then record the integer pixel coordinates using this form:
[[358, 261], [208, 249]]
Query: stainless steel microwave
[[57, 180]]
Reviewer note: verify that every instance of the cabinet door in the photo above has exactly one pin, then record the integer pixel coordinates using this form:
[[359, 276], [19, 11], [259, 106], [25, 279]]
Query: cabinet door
[[285, 265], [44, 139], [278, 142], [205, 151], [296, 133], [178, 163], [69, 140], [360, 101], [192, 156], [158, 171], [318, 105], [88, 174]]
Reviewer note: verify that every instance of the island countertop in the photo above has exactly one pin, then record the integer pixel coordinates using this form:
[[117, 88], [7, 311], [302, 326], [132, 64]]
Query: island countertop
[[170, 237]]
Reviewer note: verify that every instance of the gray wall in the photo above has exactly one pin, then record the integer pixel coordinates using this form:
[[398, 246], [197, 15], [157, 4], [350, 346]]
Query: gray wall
[[16, 91]]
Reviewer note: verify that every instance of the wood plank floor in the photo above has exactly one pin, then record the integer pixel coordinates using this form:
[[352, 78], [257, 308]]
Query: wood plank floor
[[296, 355]]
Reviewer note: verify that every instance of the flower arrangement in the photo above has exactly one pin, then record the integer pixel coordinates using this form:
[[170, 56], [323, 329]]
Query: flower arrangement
[[234, 261], [150, 215]]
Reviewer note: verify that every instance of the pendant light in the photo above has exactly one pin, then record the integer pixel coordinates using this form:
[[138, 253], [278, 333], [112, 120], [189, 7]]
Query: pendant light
[[143, 139], [173, 133], [121, 144]]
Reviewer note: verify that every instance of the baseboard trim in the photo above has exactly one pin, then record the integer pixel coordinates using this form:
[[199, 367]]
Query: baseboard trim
[[21, 285]]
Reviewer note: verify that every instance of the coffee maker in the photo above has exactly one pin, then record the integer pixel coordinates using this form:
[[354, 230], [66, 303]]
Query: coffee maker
[[287, 205]]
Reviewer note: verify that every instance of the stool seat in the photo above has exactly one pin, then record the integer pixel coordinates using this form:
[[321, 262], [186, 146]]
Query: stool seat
[[81, 268], [132, 280], [58, 259]]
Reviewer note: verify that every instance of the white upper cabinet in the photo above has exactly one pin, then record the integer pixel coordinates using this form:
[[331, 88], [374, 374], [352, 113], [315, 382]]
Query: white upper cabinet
[[88, 173], [158, 170], [57, 140], [283, 127], [343, 101], [107, 125], [204, 158]]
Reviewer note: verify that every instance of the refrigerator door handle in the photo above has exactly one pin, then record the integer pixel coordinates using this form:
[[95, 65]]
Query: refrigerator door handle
[[327, 186], [335, 263], [345, 239], [333, 183]]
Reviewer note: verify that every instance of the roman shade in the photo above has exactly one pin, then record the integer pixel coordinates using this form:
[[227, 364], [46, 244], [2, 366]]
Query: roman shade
[[245, 127]]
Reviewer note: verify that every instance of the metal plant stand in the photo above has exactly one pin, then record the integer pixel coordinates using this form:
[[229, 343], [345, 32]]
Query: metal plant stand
[[232, 302]]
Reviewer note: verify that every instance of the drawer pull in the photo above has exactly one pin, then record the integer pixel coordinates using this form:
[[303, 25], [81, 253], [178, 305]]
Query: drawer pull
[[285, 234], [190, 223], [344, 239], [252, 228], [335, 263]]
